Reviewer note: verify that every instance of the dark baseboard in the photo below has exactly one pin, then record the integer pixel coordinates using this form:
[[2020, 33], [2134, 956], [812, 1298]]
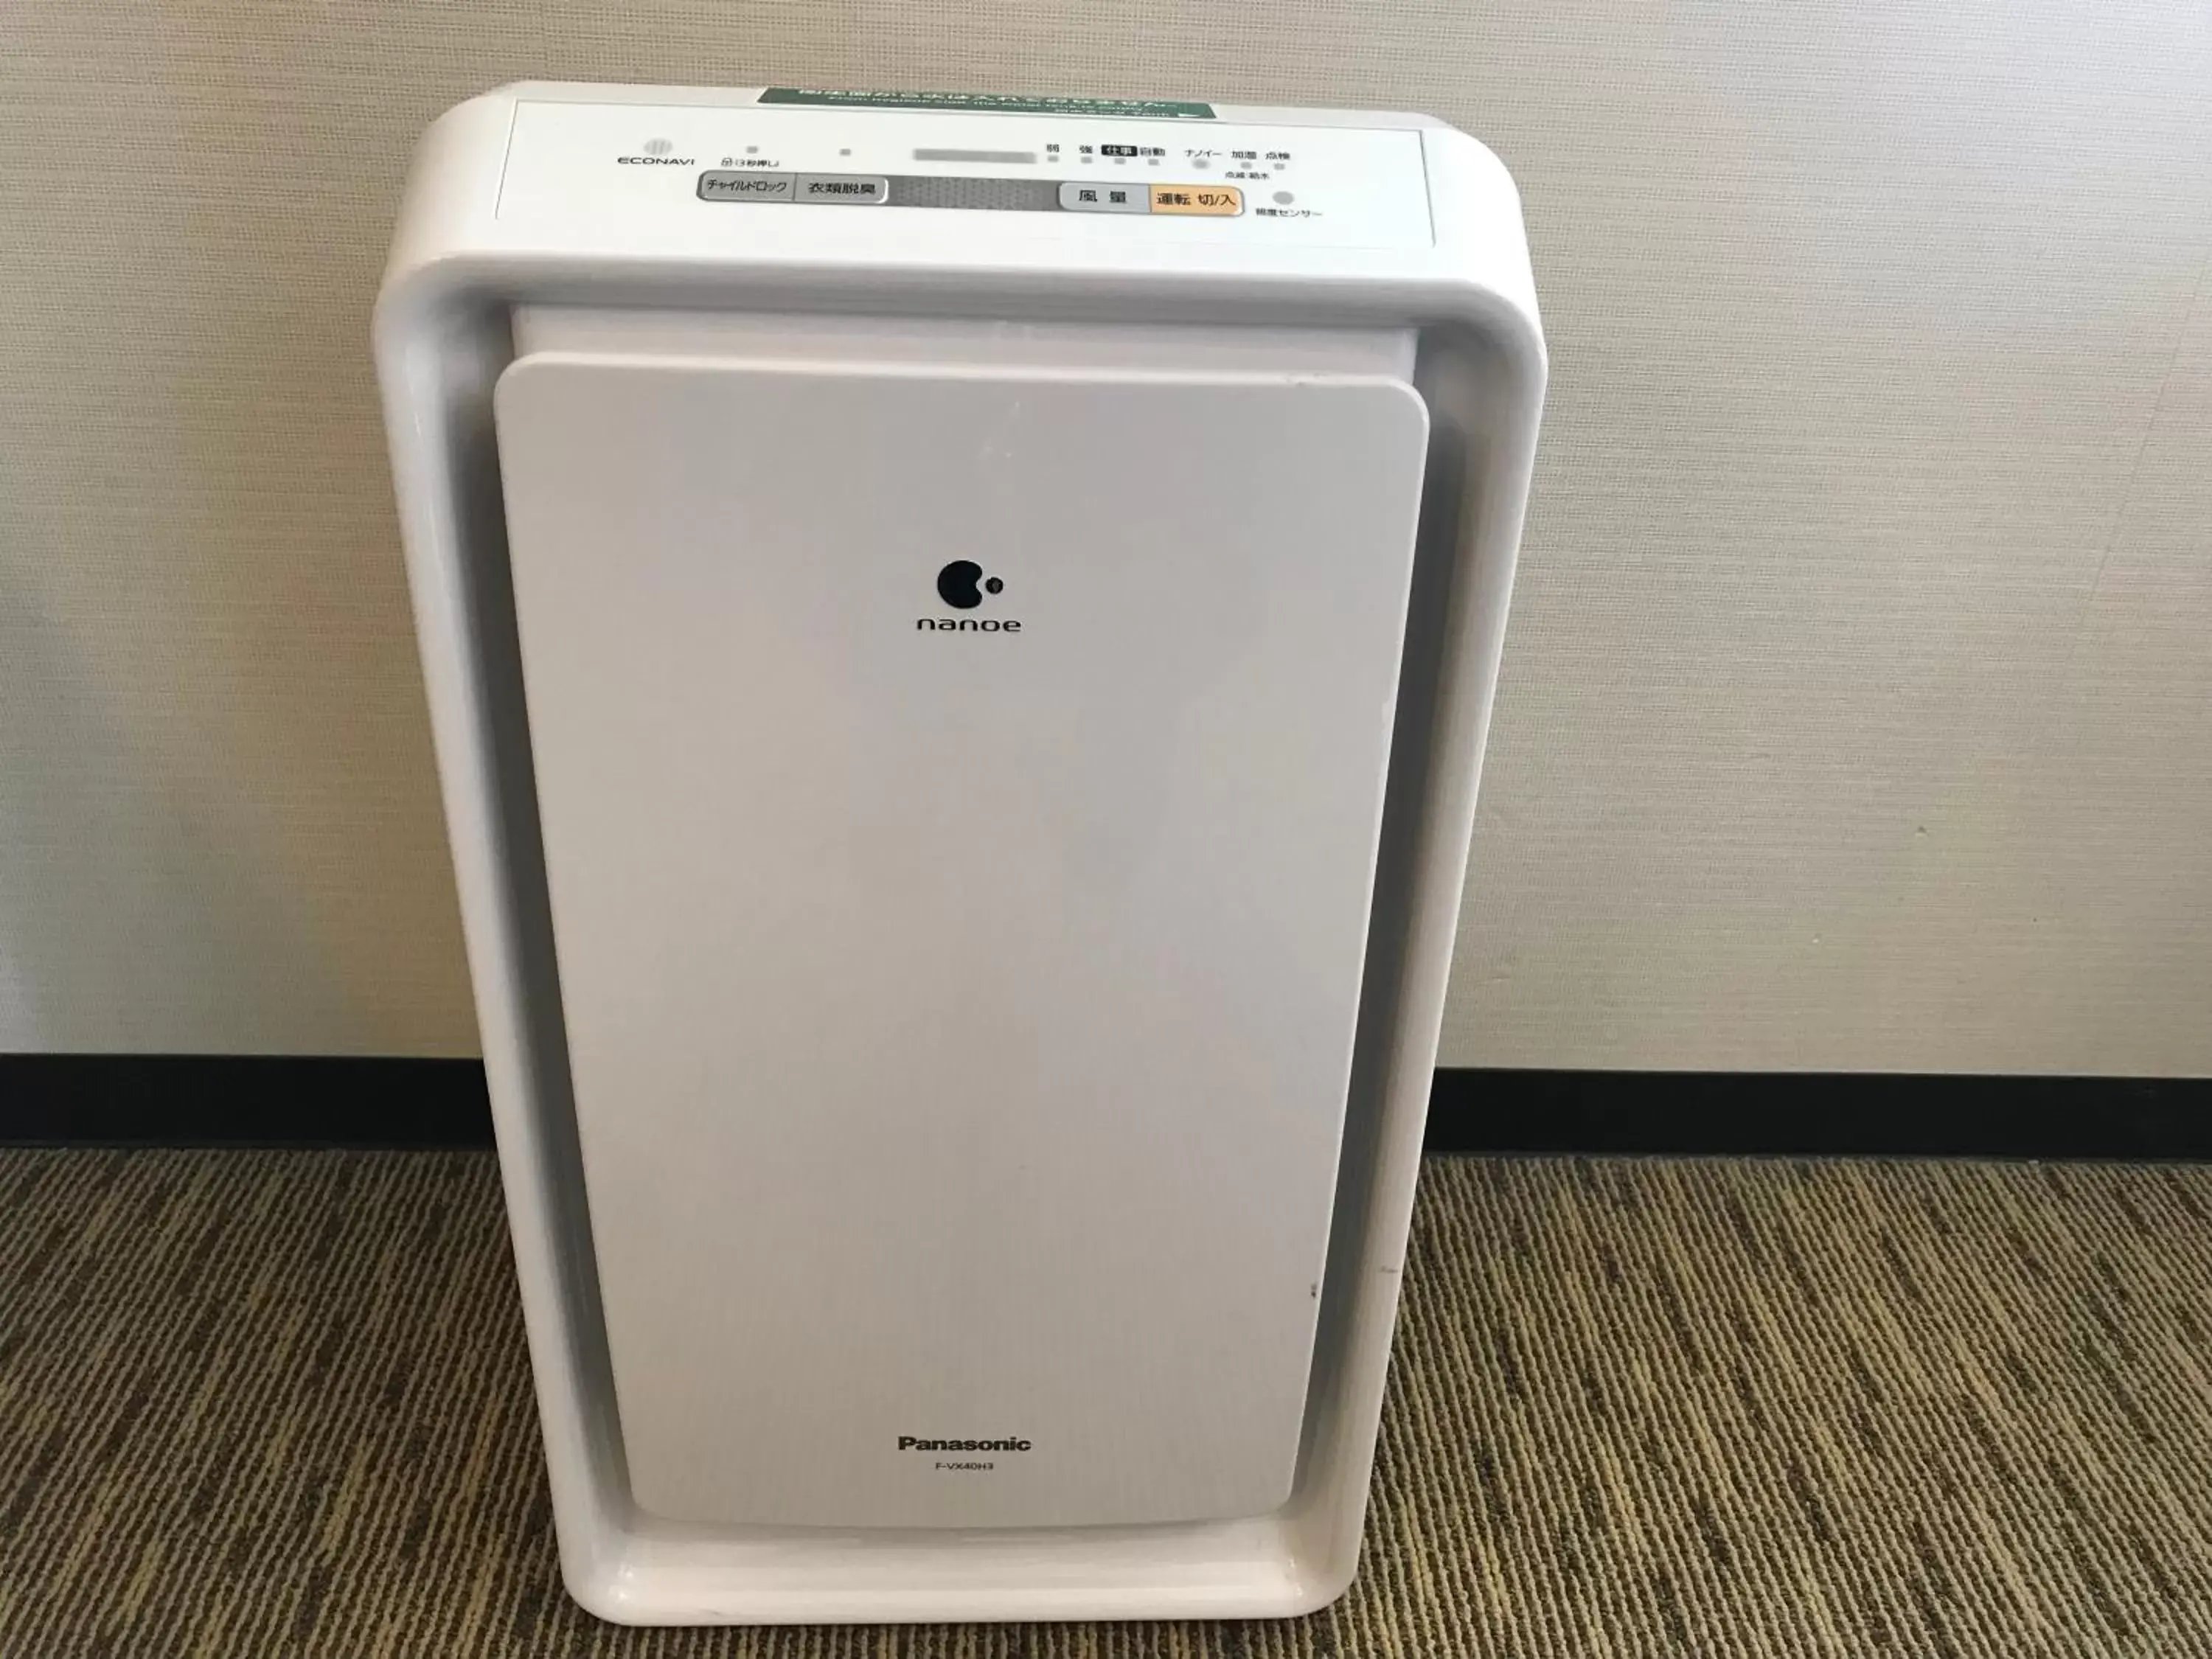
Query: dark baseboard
[[241, 1100], [164, 1100], [1819, 1114]]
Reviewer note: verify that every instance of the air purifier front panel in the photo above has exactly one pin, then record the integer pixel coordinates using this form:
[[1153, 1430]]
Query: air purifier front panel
[[959, 787]]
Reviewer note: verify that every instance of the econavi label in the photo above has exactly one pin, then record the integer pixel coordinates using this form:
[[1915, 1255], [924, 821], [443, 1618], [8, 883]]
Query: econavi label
[[1004, 103]]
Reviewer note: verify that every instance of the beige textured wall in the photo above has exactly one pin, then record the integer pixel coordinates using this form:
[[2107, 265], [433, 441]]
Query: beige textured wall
[[1858, 702]]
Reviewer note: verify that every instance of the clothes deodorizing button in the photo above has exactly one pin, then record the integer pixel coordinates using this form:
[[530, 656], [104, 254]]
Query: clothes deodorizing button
[[844, 188], [1099, 196], [745, 186]]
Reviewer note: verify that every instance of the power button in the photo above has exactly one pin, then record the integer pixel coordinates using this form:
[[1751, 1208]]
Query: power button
[[1221, 201]]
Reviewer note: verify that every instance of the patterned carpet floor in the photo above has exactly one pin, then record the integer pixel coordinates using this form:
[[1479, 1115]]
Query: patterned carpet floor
[[276, 1404]]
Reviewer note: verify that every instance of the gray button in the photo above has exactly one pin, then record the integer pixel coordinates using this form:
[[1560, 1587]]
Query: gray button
[[851, 189], [745, 186], [1102, 198]]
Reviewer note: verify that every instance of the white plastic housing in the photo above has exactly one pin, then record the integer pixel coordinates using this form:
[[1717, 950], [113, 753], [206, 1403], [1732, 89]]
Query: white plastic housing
[[1008, 1033]]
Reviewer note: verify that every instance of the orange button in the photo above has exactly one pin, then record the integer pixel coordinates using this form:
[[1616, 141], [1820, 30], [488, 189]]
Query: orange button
[[1223, 199]]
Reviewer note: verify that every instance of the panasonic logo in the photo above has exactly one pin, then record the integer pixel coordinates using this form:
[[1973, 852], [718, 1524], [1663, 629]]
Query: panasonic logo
[[907, 1443], [658, 160]]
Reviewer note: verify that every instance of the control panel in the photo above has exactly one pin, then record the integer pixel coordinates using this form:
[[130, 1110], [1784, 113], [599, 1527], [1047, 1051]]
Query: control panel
[[1063, 173]]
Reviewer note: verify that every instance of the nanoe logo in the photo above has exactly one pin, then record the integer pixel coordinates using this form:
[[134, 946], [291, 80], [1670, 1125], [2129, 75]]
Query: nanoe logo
[[960, 585], [907, 1443]]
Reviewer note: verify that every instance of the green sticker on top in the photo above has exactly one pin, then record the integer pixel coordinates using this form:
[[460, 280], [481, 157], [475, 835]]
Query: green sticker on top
[[1156, 109]]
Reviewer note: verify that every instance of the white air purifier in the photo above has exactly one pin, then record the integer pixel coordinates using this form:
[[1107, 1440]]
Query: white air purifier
[[959, 634]]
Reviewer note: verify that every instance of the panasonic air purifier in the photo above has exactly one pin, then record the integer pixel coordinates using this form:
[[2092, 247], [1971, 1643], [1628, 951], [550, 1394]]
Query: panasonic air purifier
[[959, 635]]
